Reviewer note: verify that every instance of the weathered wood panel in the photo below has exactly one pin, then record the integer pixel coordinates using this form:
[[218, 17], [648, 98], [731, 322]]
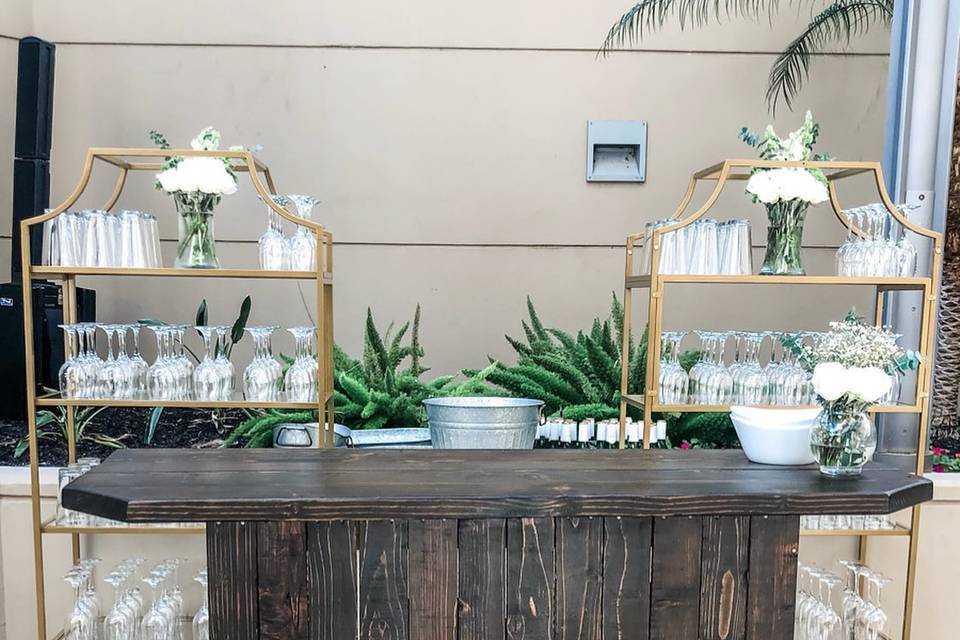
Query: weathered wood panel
[[282, 580], [530, 578], [383, 580], [579, 575], [771, 597], [675, 583], [481, 614], [433, 576], [626, 578], [725, 556], [332, 576], [232, 572]]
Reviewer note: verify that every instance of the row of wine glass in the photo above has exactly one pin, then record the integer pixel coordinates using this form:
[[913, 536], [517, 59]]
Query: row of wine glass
[[780, 380], [124, 374], [830, 607], [880, 249], [96, 238], [296, 252], [146, 604]]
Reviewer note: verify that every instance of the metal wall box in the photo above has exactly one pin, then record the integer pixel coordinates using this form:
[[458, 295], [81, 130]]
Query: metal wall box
[[616, 151]]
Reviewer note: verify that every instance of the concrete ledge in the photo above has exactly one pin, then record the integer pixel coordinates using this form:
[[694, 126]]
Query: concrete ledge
[[15, 481]]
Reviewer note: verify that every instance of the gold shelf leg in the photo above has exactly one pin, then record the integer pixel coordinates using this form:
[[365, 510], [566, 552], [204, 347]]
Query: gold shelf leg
[[31, 382]]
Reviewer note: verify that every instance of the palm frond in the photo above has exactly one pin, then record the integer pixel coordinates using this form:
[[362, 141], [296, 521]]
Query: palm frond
[[651, 15], [838, 22]]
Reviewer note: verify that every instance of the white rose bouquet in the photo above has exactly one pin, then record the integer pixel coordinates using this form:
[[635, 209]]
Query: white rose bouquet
[[786, 192], [197, 185], [854, 365]]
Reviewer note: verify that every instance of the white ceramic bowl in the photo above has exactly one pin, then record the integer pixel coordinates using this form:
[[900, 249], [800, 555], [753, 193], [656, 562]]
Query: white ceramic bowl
[[775, 436]]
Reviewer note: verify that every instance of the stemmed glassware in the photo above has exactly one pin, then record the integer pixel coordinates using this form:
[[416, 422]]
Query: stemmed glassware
[[300, 381], [302, 245], [138, 366], [880, 248], [113, 377], [227, 372], [73, 375], [750, 383], [263, 377], [208, 382], [201, 621], [673, 377], [272, 245], [81, 622]]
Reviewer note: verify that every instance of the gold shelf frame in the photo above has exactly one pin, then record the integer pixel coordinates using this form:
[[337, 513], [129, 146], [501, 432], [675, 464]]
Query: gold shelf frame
[[126, 160], [656, 285]]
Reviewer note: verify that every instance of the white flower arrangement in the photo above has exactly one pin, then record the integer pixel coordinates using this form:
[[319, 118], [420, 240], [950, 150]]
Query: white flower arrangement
[[854, 362], [197, 175], [771, 186]]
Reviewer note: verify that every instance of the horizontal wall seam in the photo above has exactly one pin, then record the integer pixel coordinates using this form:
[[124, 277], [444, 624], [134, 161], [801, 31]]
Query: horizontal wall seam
[[392, 47]]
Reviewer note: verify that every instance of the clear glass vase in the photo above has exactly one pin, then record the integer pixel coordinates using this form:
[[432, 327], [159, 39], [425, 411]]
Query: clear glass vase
[[196, 245], [843, 438], [784, 238]]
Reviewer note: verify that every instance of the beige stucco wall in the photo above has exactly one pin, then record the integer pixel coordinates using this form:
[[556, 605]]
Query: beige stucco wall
[[448, 149]]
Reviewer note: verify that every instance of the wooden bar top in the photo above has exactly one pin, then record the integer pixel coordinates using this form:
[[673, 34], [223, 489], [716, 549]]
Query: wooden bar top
[[157, 485]]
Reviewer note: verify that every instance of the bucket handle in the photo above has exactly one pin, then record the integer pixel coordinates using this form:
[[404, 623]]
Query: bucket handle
[[285, 429]]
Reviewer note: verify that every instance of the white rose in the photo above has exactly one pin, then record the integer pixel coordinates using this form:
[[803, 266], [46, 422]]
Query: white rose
[[764, 186], [169, 180], [830, 380], [868, 383]]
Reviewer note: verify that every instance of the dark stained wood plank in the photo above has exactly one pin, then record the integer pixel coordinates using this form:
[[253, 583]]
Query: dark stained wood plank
[[432, 576], [723, 577], [325, 485], [232, 574], [481, 614], [332, 576], [383, 580], [530, 578], [675, 583], [282, 580], [771, 597], [578, 566], [626, 578]]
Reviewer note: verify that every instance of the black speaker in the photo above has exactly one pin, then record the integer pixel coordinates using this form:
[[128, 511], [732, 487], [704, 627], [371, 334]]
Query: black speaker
[[31, 195], [35, 98]]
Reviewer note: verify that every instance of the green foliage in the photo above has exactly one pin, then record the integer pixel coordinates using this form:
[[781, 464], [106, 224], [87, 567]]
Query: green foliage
[[708, 430], [838, 22], [52, 425], [577, 376]]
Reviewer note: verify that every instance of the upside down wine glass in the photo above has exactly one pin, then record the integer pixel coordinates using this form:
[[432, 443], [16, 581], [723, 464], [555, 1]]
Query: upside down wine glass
[[272, 245], [263, 377], [302, 245], [207, 378], [300, 381]]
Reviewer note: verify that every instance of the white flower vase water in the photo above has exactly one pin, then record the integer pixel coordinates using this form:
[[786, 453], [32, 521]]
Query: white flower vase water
[[196, 244], [844, 437]]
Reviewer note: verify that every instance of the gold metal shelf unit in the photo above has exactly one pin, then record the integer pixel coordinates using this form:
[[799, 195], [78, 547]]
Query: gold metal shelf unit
[[150, 159], [656, 285]]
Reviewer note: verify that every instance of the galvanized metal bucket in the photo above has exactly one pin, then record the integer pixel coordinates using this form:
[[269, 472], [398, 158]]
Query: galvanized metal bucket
[[306, 435], [483, 423]]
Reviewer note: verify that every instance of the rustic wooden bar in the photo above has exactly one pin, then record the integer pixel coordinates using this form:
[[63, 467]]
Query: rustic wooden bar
[[490, 545]]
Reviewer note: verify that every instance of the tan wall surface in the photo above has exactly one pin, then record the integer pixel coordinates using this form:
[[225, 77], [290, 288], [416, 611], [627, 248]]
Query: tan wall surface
[[435, 139]]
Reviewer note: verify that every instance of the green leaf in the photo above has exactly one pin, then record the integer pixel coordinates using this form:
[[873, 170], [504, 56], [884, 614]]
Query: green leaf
[[45, 417], [236, 333], [152, 424], [151, 322], [21, 447], [201, 320]]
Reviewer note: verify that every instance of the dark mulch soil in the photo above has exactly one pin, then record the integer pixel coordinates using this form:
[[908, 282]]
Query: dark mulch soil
[[177, 428]]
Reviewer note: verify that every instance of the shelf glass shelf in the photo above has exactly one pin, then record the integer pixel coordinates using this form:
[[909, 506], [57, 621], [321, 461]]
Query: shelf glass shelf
[[894, 531], [49, 272], [103, 526], [237, 402], [891, 284], [636, 400]]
